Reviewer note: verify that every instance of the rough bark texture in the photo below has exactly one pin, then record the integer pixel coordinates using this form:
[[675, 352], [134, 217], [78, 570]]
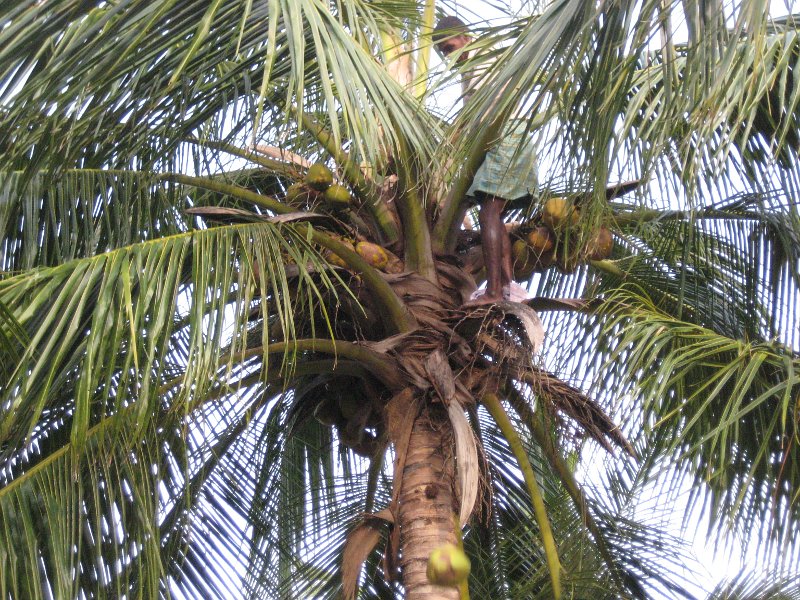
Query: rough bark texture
[[426, 505]]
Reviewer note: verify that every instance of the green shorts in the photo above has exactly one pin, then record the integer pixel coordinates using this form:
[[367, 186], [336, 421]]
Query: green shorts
[[509, 169]]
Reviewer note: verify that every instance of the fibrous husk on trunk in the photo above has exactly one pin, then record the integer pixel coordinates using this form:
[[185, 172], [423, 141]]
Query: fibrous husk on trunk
[[426, 504]]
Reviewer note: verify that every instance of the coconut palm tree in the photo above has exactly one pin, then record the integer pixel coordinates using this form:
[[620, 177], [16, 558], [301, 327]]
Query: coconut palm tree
[[236, 250]]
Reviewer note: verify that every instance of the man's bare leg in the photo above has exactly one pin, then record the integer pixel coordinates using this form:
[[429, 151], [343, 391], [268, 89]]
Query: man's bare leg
[[507, 272], [496, 246]]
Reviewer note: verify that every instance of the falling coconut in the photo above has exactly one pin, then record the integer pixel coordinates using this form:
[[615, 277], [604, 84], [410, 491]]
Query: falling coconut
[[448, 565], [319, 177]]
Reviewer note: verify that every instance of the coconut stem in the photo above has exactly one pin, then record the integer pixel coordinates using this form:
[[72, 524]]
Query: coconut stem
[[230, 190], [389, 303], [492, 404], [365, 190]]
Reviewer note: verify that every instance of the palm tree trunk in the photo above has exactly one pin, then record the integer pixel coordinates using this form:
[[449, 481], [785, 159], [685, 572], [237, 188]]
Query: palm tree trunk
[[426, 504]]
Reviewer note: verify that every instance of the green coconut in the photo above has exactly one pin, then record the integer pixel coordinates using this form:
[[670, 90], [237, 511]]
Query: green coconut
[[448, 565], [319, 177], [337, 195]]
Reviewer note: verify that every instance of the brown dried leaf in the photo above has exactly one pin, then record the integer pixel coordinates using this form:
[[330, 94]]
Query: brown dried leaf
[[441, 376], [295, 216], [568, 304], [530, 321], [361, 541], [580, 408], [620, 189], [468, 477]]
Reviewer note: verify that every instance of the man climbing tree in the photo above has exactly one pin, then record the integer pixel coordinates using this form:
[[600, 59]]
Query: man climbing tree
[[507, 173]]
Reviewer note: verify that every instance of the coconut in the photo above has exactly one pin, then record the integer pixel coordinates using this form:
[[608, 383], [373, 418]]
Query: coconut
[[337, 195], [541, 239], [600, 245], [558, 213], [524, 260], [373, 254], [448, 565], [319, 177]]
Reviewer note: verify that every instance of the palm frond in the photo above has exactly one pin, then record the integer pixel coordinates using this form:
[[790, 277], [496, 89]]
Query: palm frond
[[262, 63], [703, 394], [49, 219], [82, 320]]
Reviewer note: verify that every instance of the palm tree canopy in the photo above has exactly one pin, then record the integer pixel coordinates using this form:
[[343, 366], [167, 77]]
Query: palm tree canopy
[[208, 365]]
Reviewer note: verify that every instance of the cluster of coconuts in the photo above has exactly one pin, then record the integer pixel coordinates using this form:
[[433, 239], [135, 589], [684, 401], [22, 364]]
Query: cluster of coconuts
[[552, 242], [352, 416], [317, 183], [375, 255]]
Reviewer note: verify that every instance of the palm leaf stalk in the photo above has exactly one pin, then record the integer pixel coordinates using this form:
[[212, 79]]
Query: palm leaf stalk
[[233, 340]]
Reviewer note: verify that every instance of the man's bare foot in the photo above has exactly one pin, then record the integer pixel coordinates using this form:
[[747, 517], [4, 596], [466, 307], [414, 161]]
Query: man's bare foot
[[515, 293]]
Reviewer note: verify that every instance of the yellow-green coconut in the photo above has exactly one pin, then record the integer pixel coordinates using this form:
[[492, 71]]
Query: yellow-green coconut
[[373, 254], [319, 177], [337, 195], [448, 565], [600, 245], [541, 239]]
